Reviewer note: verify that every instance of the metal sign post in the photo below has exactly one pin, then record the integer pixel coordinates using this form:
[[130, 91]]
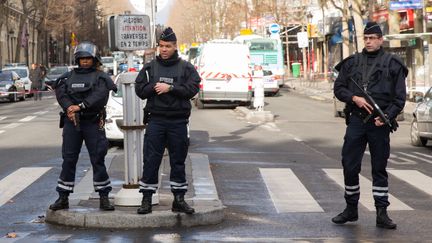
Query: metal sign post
[[131, 33]]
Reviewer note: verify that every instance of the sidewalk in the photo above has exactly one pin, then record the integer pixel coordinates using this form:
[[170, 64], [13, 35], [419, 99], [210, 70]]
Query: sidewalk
[[84, 203], [323, 90]]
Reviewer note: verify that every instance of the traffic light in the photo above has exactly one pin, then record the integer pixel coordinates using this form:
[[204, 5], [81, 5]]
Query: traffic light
[[312, 30]]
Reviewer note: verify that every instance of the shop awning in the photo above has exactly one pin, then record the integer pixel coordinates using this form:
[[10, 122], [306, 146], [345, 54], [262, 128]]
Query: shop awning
[[407, 36]]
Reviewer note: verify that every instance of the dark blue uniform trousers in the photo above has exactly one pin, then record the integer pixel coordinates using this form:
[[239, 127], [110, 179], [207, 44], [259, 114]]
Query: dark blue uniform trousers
[[357, 136], [161, 133], [97, 146]]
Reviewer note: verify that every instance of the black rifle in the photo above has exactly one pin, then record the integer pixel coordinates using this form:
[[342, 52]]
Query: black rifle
[[77, 122], [371, 101]]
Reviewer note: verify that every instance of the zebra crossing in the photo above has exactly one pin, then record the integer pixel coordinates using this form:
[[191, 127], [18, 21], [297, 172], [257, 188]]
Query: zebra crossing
[[287, 192], [289, 195], [17, 181], [21, 121], [404, 158]]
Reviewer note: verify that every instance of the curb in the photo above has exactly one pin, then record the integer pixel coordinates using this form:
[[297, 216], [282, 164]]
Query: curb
[[208, 208], [126, 218], [255, 116]]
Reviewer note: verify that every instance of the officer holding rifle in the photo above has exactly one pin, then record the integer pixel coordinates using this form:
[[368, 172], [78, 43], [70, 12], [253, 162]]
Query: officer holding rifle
[[372, 84]]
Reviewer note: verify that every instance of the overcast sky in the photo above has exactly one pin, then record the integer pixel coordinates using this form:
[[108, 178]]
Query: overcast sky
[[162, 15]]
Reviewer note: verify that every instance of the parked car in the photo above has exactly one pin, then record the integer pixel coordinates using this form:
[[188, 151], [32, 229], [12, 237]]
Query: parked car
[[54, 73], [114, 108], [108, 64], [421, 125], [24, 74], [15, 64], [11, 86], [225, 73]]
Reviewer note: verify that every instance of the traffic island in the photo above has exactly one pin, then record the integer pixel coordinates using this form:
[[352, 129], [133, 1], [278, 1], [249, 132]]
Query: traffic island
[[255, 116], [206, 213], [202, 196]]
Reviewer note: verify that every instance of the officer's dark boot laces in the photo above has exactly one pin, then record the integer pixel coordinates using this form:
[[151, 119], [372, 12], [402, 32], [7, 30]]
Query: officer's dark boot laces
[[104, 203], [350, 214], [61, 203], [383, 220], [179, 205], [146, 204]]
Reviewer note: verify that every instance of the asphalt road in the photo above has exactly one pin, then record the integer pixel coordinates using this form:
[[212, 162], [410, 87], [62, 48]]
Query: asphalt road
[[257, 169]]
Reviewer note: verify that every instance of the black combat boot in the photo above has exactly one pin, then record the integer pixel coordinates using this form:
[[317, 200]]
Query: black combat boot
[[61, 203], [104, 203], [383, 220], [146, 204], [349, 214], [179, 205]]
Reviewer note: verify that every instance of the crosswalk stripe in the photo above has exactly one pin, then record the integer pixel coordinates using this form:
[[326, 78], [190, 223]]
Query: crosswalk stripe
[[2, 118], [366, 198], [2, 131], [414, 178], [27, 118], [393, 160], [287, 192], [40, 112], [416, 157], [58, 237], [12, 125], [18, 181], [422, 154]]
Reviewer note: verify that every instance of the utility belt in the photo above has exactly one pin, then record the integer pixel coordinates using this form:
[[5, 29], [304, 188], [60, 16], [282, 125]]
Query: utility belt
[[85, 116], [362, 114]]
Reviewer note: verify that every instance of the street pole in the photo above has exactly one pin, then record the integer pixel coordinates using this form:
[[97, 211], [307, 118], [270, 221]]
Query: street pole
[[287, 53], [425, 50]]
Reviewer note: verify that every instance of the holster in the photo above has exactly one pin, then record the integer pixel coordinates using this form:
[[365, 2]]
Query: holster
[[146, 117], [394, 125], [62, 117], [347, 113]]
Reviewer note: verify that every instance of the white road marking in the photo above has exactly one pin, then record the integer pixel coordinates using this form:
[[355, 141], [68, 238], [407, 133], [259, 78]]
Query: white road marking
[[414, 178], [12, 125], [425, 155], [27, 118], [416, 157], [18, 181], [2, 131], [366, 198], [394, 159], [287, 192], [58, 237], [2, 117], [40, 112]]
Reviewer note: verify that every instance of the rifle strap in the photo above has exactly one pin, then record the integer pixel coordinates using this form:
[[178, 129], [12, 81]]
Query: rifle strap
[[366, 74]]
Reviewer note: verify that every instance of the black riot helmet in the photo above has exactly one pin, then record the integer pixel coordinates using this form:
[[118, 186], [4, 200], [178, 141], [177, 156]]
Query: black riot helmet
[[87, 49]]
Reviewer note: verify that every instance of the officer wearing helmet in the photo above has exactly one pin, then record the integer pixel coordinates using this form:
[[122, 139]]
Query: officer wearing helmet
[[83, 93]]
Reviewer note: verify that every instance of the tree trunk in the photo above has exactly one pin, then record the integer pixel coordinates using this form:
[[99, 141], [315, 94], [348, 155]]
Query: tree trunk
[[358, 24]]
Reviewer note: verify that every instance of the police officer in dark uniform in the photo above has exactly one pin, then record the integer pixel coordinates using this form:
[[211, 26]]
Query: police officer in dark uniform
[[168, 83], [83, 94], [382, 75]]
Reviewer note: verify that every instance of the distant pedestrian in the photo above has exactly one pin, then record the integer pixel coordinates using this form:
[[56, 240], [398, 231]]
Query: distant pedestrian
[[167, 83], [83, 93], [36, 75], [382, 75]]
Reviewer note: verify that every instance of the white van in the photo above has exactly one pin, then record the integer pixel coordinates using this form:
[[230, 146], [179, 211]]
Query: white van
[[225, 74]]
